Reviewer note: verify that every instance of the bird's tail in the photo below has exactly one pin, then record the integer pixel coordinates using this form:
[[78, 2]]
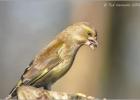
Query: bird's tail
[[13, 93]]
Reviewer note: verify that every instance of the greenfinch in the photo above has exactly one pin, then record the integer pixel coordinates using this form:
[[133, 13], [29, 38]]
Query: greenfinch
[[52, 62]]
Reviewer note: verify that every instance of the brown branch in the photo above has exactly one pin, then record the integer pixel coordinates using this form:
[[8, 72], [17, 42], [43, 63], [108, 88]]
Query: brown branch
[[32, 93]]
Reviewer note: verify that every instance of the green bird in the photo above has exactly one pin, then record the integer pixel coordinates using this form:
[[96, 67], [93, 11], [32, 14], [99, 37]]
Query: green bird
[[52, 62]]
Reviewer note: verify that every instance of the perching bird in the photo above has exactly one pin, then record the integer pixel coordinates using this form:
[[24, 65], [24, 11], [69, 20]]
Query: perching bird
[[57, 58]]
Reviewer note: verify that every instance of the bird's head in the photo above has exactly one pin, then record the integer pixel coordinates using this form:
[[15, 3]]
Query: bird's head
[[81, 34]]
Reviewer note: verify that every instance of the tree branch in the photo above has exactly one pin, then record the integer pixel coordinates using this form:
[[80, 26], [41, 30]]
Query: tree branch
[[32, 93]]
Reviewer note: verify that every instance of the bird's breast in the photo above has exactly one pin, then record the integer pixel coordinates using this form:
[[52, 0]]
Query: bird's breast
[[62, 68], [68, 57]]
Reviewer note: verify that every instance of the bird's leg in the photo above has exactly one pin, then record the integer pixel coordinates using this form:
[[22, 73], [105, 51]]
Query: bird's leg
[[47, 87]]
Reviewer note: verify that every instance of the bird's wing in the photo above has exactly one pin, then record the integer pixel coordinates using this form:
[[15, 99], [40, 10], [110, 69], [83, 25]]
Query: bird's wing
[[51, 63], [41, 65], [32, 74]]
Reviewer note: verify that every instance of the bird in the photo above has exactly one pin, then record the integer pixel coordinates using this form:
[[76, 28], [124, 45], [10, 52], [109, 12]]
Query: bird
[[55, 59]]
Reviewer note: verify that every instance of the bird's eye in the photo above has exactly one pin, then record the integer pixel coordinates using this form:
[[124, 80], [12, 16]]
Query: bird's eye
[[89, 34]]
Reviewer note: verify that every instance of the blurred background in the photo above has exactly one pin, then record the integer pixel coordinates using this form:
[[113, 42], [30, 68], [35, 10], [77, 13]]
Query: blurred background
[[111, 71]]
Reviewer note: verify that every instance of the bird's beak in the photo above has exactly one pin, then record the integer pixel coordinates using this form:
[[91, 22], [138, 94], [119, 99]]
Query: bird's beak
[[91, 42]]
